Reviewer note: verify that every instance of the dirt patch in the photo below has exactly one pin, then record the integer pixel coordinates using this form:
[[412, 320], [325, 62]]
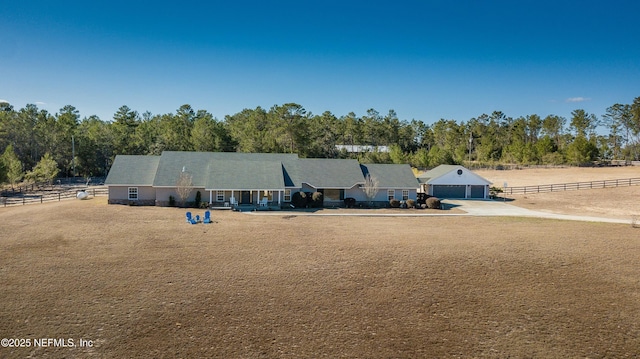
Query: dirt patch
[[140, 282]]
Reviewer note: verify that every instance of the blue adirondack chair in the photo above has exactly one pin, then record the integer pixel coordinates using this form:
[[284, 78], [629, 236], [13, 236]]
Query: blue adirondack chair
[[189, 217], [207, 217]]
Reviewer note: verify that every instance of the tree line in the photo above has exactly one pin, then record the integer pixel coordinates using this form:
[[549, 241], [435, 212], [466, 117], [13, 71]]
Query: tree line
[[38, 145]]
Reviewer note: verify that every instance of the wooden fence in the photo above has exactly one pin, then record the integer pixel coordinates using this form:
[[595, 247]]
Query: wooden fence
[[26, 198], [573, 186]]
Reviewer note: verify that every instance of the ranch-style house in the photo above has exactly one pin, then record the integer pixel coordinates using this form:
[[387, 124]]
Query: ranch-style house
[[227, 179]]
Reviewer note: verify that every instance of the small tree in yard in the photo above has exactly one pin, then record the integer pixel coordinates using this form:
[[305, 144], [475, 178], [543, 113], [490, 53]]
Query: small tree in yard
[[12, 166], [45, 170], [184, 186], [370, 187]]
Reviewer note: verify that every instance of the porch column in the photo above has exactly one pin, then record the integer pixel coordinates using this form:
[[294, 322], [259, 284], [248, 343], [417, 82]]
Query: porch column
[[279, 193], [210, 196]]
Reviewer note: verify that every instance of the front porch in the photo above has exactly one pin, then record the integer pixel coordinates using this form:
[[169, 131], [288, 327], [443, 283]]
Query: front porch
[[248, 199]]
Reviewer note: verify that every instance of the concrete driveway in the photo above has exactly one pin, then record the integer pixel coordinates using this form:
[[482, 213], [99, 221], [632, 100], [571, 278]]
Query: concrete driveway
[[498, 208], [487, 208]]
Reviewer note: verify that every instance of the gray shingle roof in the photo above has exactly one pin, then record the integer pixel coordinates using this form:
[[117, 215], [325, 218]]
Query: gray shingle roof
[[133, 170], [391, 175], [325, 173], [209, 168], [252, 171], [436, 172], [245, 175], [172, 164], [443, 170]]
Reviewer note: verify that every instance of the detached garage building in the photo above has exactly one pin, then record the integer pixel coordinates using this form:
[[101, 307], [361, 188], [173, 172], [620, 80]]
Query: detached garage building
[[451, 181]]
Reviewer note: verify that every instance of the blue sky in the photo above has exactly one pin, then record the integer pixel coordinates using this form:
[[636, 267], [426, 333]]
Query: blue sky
[[427, 60]]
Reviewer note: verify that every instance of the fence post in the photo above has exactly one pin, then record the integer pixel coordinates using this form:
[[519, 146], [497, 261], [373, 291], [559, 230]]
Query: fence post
[[23, 200], [41, 196], [58, 196]]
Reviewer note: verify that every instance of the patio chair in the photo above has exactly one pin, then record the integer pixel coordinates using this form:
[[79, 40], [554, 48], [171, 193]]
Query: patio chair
[[207, 217], [197, 218], [188, 214], [233, 201], [264, 202]]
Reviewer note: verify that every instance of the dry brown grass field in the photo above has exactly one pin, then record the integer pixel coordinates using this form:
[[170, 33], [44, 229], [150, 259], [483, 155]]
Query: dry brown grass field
[[621, 202], [139, 282]]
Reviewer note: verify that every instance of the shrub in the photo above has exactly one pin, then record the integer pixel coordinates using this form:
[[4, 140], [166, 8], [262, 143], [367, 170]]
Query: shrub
[[299, 200], [433, 203], [309, 198], [316, 200], [411, 203], [349, 202], [493, 191], [394, 203], [172, 201], [198, 199]]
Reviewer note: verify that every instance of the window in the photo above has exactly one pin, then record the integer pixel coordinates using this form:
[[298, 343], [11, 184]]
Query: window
[[333, 195], [133, 193], [220, 196], [287, 195], [391, 194], [405, 194]]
